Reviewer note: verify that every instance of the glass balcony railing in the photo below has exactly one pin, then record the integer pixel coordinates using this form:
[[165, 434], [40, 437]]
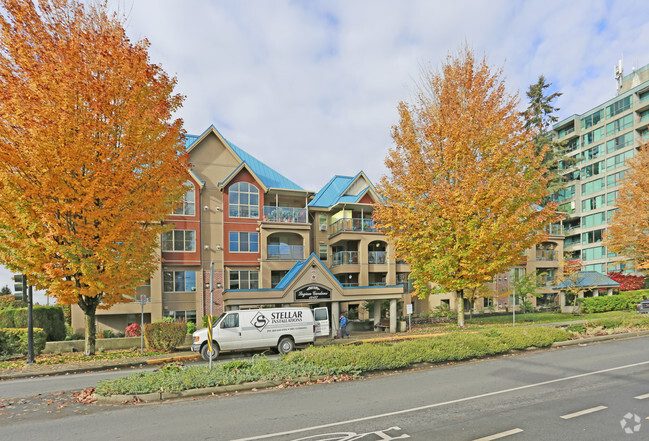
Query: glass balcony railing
[[353, 225], [344, 258], [376, 257], [554, 229], [285, 252], [545, 281], [546, 255], [377, 284], [348, 284], [285, 214]]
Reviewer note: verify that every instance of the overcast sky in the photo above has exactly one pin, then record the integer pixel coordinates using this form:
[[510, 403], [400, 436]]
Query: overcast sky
[[311, 87]]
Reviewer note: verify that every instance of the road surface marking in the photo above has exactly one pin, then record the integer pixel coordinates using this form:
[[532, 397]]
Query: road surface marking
[[583, 412], [445, 403], [500, 435], [641, 397]]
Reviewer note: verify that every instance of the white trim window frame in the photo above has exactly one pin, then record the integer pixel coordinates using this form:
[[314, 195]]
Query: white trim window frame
[[244, 242], [243, 200], [243, 279], [187, 207], [179, 241]]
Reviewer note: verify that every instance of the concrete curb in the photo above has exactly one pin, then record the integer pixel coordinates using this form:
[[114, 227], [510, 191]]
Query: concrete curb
[[597, 338], [162, 396]]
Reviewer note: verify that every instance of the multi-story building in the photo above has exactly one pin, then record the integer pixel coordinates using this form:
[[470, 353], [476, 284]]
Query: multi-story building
[[269, 241], [601, 139]]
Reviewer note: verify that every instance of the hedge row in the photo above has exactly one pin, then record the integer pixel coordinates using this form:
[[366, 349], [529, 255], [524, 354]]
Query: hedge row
[[164, 336], [13, 341], [339, 360], [620, 302], [49, 318]]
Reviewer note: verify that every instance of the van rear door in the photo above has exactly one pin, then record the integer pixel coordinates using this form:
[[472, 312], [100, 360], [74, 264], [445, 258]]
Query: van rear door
[[321, 317]]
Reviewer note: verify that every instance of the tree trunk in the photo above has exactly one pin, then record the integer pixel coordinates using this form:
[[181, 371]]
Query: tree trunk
[[89, 307], [460, 307]]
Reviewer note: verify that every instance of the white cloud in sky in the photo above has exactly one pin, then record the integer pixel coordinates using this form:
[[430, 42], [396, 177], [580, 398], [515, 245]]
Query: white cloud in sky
[[311, 87]]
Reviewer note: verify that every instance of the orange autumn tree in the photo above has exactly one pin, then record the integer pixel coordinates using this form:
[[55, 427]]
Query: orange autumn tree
[[628, 233], [461, 201], [91, 160]]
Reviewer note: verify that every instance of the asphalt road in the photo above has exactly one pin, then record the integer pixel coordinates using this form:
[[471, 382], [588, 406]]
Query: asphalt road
[[591, 392]]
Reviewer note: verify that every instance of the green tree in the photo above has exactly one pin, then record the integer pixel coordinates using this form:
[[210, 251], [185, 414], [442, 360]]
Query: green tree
[[6, 291], [540, 116], [463, 194], [525, 287], [92, 159]]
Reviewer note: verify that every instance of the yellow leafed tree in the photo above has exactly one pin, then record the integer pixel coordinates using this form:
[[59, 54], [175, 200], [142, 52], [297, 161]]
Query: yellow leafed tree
[[628, 233], [463, 194], [91, 160]]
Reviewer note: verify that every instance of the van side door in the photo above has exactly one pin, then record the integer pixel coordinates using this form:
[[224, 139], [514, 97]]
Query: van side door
[[321, 317], [229, 332]]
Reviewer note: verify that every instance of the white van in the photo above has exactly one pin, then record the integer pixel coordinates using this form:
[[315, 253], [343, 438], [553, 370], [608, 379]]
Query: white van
[[277, 328]]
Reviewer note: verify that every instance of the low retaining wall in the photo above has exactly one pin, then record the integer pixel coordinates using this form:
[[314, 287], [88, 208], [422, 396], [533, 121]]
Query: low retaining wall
[[104, 344]]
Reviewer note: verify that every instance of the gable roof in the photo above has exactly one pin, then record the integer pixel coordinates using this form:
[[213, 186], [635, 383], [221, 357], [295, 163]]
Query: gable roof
[[296, 270], [335, 192], [589, 279], [266, 175]]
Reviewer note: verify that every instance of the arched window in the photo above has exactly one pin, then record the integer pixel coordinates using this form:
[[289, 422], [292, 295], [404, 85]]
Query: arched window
[[187, 207], [244, 200]]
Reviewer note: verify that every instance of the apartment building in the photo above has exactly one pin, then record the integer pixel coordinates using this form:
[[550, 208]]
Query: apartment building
[[269, 241], [602, 140]]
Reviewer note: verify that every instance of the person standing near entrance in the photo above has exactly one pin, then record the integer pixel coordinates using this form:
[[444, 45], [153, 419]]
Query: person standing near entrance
[[343, 326]]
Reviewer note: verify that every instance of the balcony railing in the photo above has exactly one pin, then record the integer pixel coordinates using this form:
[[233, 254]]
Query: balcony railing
[[348, 284], [345, 258], [554, 229], [285, 214], [376, 257], [546, 255], [377, 284], [543, 281], [285, 252], [353, 225]]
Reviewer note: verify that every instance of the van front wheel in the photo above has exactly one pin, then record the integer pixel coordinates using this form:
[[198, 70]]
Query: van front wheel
[[205, 352], [285, 345]]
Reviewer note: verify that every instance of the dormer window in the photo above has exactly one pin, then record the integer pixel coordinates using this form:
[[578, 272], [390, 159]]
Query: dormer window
[[244, 200]]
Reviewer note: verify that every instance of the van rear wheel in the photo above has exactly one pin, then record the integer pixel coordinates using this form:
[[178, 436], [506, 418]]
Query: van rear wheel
[[285, 345], [205, 352]]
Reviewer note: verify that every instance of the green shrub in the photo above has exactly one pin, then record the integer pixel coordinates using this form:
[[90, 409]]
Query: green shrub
[[164, 336], [13, 341], [619, 302], [191, 327], [10, 302], [48, 318], [204, 320], [578, 328]]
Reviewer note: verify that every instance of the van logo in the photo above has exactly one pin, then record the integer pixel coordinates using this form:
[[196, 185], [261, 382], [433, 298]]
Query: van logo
[[259, 321]]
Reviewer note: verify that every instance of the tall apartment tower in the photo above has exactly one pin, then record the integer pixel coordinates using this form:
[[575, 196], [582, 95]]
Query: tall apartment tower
[[602, 139]]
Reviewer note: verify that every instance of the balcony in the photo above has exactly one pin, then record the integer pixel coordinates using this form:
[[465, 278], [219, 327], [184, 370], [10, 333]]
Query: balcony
[[344, 258], [285, 252], [292, 215], [545, 281], [554, 230], [363, 225], [376, 257], [546, 256]]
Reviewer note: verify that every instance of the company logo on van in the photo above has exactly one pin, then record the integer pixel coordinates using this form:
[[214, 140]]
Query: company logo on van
[[259, 321]]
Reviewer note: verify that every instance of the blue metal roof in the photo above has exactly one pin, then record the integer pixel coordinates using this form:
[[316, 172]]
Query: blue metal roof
[[332, 193], [589, 279], [269, 177]]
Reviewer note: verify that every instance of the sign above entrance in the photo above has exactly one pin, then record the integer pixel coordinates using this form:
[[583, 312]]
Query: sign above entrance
[[312, 292]]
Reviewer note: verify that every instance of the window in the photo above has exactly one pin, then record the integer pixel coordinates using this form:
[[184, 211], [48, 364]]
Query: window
[[593, 203], [276, 277], [563, 194], [619, 142], [244, 242], [592, 169], [619, 124], [570, 240], [566, 130], [244, 200], [592, 236], [618, 160], [572, 145], [179, 281], [244, 279], [609, 214], [615, 179], [323, 251], [593, 136], [593, 219], [593, 253], [189, 316], [599, 267], [593, 186], [322, 221], [179, 240], [611, 197], [231, 321], [619, 106], [593, 152], [592, 120], [188, 205]]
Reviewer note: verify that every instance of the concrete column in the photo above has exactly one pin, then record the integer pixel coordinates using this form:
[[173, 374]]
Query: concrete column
[[363, 259], [393, 316], [377, 314], [335, 316]]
